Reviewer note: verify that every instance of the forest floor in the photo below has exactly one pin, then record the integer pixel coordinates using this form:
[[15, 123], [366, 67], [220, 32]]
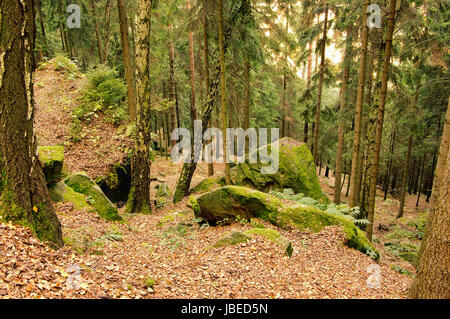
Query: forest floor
[[163, 255]]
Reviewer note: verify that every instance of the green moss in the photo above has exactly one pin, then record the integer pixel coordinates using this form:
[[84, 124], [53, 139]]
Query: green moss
[[208, 184], [81, 183], [42, 223], [52, 159], [296, 171], [236, 202], [60, 192], [273, 236], [231, 239]]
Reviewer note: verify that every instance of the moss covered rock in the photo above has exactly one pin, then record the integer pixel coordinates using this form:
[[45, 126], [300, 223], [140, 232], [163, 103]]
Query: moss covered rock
[[231, 239], [60, 192], [296, 171], [273, 236], [231, 203], [52, 160], [208, 184], [81, 183]]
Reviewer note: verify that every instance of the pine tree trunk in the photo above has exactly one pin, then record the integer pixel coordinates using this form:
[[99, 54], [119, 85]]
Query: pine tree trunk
[[380, 120], [223, 91], [247, 99], [172, 86], [25, 199], [432, 280], [206, 61], [64, 35], [320, 85], [388, 169], [354, 191], [41, 22], [128, 68], [343, 106], [107, 28], [97, 33], [139, 197], [405, 177], [192, 69]]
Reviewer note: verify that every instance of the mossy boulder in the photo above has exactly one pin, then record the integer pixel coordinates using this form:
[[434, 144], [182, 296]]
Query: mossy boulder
[[231, 203], [296, 171], [208, 184], [81, 183], [273, 236], [60, 192], [233, 238], [52, 160]]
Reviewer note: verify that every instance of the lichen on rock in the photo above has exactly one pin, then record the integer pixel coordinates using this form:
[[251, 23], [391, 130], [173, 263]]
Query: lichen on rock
[[52, 160]]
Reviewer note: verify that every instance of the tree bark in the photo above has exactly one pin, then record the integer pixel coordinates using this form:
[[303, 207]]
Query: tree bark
[[432, 280], [24, 199], [192, 69], [405, 177], [359, 103], [139, 197], [380, 119], [206, 61], [320, 85], [223, 91], [343, 106], [97, 33], [128, 67]]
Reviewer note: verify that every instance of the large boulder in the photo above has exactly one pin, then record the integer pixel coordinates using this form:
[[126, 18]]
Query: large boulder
[[52, 160], [60, 192], [232, 203], [81, 183], [296, 171]]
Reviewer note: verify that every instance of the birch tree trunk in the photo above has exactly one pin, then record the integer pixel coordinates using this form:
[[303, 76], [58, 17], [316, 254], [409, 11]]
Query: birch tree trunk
[[139, 197]]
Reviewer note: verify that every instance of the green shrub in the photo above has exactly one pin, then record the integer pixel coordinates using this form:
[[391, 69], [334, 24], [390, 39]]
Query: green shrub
[[66, 65], [104, 92]]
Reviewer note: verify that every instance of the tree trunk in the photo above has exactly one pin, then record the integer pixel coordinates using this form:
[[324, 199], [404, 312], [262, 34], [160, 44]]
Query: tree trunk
[[128, 68], [64, 35], [97, 33], [172, 86], [343, 106], [320, 85], [41, 22], [206, 61], [223, 89], [381, 109], [247, 101], [192, 69], [139, 197], [421, 180], [405, 177], [25, 199], [388, 170], [432, 280], [359, 103], [107, 28]]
